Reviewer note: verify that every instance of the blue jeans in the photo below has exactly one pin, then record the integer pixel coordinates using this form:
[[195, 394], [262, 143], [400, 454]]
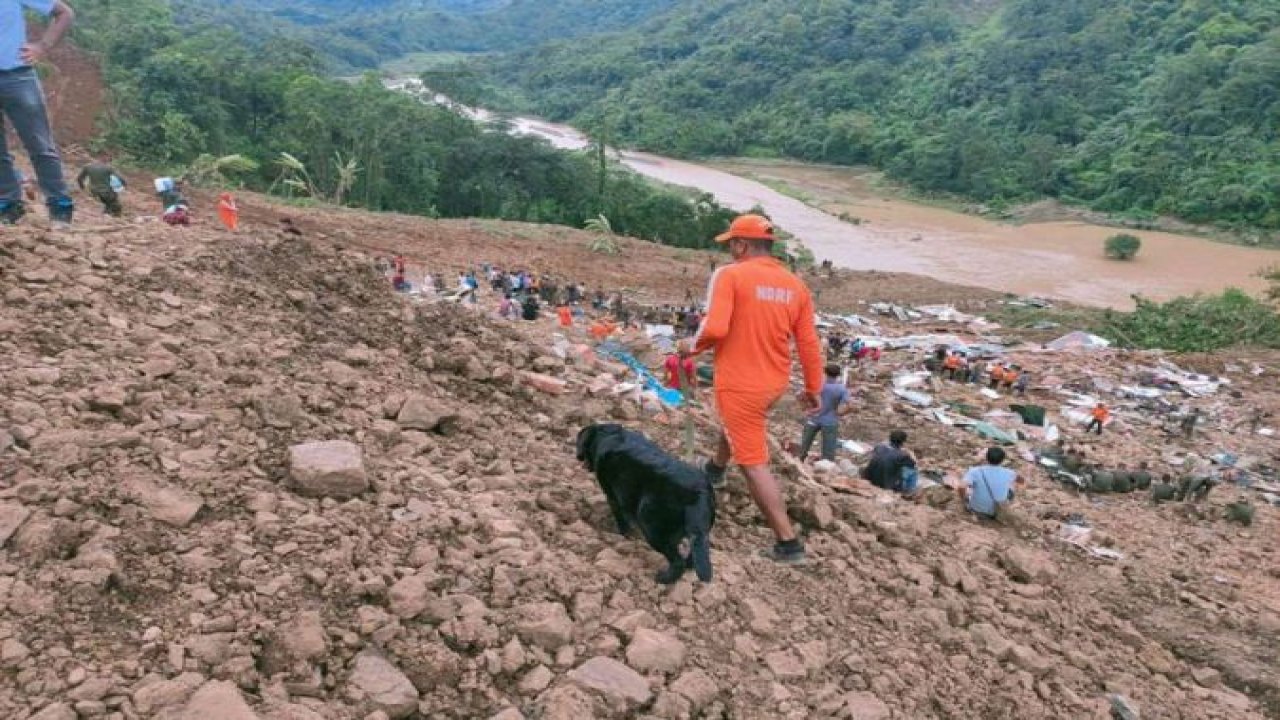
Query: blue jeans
[[910, 480], [22, 104], [830, 436]]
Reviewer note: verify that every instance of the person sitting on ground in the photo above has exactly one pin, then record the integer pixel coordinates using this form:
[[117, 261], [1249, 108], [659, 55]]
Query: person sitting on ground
[[98, 174], [865, 352], [603, 328], [987, 488], [834, 399], [507, 308], [1009, 377], [1100, 416], [1142, 476], [891, 467], [529, 309], [678, 366], [177, 215]]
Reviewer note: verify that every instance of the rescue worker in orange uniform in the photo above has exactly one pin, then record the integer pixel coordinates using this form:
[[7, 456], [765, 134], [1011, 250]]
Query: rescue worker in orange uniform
[[755, 310], [1100, 416]]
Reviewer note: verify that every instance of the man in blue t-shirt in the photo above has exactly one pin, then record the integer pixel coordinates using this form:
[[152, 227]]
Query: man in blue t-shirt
[[826, 419], [22, 102], [989, 485]]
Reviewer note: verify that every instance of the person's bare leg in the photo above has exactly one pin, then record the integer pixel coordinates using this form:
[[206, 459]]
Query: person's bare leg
[[722, 451], [768, 497]]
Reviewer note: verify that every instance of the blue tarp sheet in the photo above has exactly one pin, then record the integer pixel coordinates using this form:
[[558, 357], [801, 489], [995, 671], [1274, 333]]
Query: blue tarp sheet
[[648, 380]]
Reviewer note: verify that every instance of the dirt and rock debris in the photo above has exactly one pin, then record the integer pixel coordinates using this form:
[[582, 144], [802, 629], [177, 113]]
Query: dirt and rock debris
[[241, 478]]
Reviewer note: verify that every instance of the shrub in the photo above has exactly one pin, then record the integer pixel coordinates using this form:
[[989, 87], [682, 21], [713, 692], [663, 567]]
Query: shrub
[[1196, 324], [1123, 246]]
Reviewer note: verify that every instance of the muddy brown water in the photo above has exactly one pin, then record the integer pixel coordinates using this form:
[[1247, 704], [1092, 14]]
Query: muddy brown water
[[1051, 259], [1061, 260]]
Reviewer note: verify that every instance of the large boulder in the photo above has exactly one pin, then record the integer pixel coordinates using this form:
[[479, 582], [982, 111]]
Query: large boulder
[[334, 468], [383, 685]]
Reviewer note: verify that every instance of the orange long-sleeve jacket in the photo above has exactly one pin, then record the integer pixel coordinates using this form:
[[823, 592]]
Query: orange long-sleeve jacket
[[755, 309]]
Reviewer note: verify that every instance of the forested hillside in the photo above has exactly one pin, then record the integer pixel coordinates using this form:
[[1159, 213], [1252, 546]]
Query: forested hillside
[[1137, 106], [365, 33], [183, 97]]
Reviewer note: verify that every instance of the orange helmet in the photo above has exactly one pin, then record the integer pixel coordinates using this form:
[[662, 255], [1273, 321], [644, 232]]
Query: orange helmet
[[748, 227]]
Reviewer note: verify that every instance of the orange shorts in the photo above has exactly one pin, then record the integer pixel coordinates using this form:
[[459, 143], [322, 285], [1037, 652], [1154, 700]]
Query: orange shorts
[[743, 416]]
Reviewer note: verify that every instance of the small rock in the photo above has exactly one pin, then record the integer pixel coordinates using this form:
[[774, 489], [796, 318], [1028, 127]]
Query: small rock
[[408, 598], [508, 714], [56, 711], [1028, 566], [652, 651], [1206, 677], [170, 505], [327, 469], [217, 699], [386, 688], [613, 680], [785, 665], [166, 693], [300, 640], [536, 680], [427, 414], [698, 687], [545, 625], [865, 706], [12, 515], [545, 383]]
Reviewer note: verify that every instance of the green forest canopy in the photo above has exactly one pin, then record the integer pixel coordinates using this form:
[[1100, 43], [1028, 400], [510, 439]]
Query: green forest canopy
[[179, 93], [361, 34], [1130, 106]]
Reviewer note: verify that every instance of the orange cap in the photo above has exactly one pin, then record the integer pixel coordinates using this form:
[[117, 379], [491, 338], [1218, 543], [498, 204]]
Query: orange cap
[[748, 227]]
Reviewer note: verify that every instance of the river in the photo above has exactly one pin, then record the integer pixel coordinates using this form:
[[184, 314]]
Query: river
[[1061, 260]]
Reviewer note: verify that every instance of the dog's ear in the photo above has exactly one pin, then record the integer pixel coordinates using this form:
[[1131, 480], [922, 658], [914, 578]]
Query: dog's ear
[[586, 443]]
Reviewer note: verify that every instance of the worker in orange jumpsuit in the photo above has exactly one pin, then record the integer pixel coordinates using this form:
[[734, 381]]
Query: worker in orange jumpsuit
[[1100, 416], [755, 310], [565, 315], [227, 211]]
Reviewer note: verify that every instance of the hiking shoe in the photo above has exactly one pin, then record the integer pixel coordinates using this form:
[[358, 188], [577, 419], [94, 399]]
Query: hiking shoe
[[60, 211], [715, 474], [11, 212], [790, 552]]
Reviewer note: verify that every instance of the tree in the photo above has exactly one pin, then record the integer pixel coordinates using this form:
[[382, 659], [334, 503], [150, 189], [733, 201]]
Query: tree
[[1123, 246], [604, 242]]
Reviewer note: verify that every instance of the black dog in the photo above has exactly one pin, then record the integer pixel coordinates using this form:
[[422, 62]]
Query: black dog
[[667, 499]]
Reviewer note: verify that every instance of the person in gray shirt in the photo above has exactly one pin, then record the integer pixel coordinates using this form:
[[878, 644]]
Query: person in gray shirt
[[834, 402]]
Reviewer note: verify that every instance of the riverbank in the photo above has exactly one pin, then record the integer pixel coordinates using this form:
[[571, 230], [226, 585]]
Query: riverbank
[[826, 187]]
